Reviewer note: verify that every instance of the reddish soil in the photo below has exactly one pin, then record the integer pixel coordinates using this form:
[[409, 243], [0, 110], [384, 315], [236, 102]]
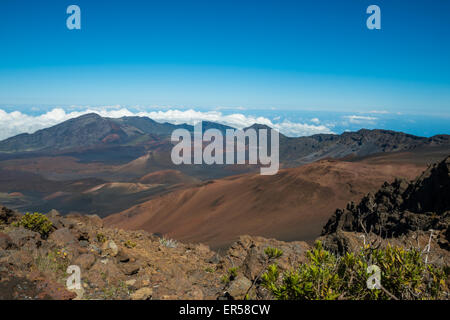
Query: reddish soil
[[292, 205], [167, 177]]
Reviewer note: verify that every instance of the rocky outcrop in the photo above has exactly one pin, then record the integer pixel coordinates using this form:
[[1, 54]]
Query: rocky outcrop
[[247, 257], [7, 215], [398, 209]]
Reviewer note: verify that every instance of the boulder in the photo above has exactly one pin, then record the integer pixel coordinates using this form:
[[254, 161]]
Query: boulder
[[84, 243], [22, 237], [248, 253], [20, 259], [105, 272], [54, 290], [6, 242], [142, 294], [62, 237], [53, 214], [55, 217], [8, 216], [130, 282], [110, 248], [123, 257], [95, 220], [85, 261], [130, 269], [238, 288], [195, 293]]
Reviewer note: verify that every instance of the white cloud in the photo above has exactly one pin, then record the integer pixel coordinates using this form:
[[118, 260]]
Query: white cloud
[[230, 108], [16, 122], [300, 129], [360, 119], [315, 120], [379, 112]]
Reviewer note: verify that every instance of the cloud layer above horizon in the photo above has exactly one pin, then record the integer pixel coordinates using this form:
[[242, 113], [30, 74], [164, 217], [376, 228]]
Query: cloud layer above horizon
[[16, 122]]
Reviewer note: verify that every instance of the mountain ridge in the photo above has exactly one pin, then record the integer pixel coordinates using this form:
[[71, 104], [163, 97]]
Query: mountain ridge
[[91, 131]]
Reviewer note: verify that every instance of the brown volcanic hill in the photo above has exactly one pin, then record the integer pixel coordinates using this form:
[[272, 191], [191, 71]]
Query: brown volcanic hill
[[86, 130], [167, 177], [292, 205]]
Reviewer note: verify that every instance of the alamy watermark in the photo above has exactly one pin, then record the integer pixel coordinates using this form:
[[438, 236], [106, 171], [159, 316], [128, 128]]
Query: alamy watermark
[[210, 147], [73, 282], [374, 20], [374, 280], [73, 22]]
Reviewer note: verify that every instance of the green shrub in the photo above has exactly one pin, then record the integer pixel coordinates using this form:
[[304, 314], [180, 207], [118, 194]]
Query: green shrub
[[101, 238], [404, 275], [36, 222], [273, 253], [169, 243], [55, 262], [114, 291], [231, 275], [210, 270], [130, 244]]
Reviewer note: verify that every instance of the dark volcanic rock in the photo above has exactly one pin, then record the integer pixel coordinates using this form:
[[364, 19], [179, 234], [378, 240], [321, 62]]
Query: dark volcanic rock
[[5, 241], [62, 237], [399, 208], [7, 215], [85, 261], [22, 237], [431, 191]]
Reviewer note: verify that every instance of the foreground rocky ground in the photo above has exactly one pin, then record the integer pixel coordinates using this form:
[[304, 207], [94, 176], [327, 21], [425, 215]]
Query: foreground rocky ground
[[118, 264]]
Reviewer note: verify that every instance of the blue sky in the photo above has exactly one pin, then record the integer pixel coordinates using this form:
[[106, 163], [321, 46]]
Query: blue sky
[[291, 56]]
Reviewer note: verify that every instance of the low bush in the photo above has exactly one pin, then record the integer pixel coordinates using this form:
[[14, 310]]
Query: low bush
[[169, 243], [55, 262], [231, 275], [101, 238], [404, 275], [36, 222], [130, 244]]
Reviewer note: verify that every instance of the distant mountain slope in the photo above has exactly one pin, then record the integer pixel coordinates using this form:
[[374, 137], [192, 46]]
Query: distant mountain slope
[[91, 136], [92, 130], [84, 131], [167, 177], [354, 144], [292, 205], [149, 126]]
